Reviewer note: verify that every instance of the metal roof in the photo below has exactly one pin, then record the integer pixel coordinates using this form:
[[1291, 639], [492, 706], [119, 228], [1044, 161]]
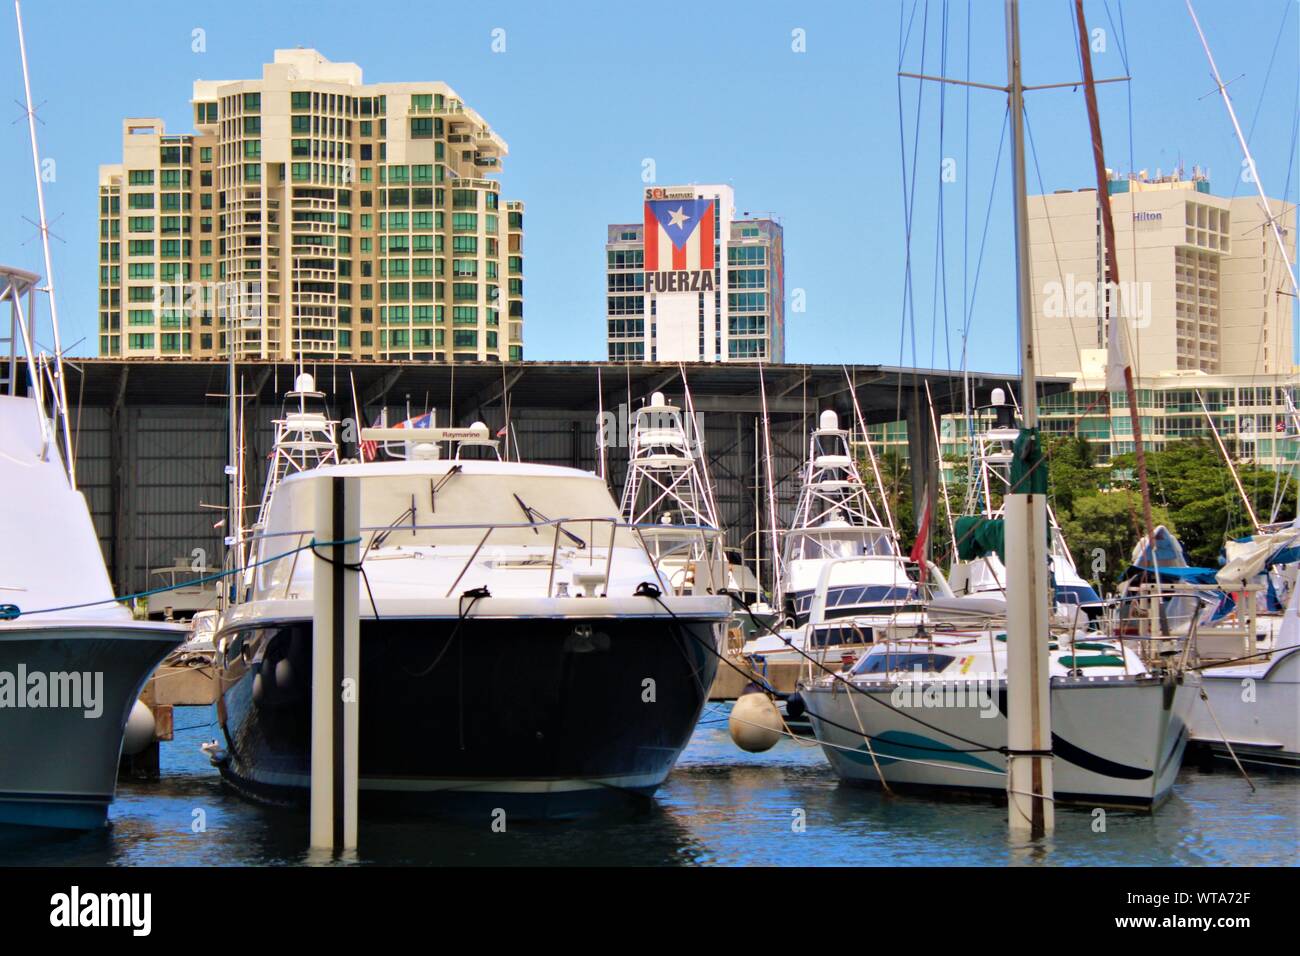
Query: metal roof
[[883, 391]]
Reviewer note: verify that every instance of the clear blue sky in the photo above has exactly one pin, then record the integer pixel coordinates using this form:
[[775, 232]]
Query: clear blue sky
[[712, 92]]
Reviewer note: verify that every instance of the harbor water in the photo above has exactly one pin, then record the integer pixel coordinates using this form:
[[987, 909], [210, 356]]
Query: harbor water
[[720, 806]]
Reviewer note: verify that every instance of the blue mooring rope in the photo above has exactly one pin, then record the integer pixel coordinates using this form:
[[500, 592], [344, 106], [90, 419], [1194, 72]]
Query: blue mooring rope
[[11, 612]]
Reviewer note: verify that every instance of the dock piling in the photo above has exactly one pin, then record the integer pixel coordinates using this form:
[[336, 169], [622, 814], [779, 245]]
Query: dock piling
[[336, 660]]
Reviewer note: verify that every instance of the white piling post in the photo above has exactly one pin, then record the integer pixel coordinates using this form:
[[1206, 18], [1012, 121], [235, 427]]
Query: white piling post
[[1029, 715], [336, 664], [1029, 726]]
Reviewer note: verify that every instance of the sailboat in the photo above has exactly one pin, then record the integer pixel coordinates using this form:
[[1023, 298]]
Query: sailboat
[[1245, 641], [953, 709], [519, 647], [1251, 710]]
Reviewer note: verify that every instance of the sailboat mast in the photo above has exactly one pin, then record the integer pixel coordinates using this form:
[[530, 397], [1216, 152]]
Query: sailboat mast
[[1112, 264], [1029, 729]]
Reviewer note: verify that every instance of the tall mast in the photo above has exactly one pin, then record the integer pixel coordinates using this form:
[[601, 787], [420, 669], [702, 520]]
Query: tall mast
[[1029, 732], [60, 391], [1114, 334], [1250, 160]]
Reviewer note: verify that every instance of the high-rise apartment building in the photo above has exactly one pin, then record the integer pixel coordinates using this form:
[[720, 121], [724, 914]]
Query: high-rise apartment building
[[691, 282], [1203, 287], [312, 215]]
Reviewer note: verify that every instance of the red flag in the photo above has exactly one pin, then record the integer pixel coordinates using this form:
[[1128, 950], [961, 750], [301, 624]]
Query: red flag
[[922, 532]]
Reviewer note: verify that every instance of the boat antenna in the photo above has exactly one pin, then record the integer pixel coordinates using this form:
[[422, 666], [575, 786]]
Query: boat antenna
[[60, 392], [356, 413], [1232, 469], [600, 426], [778, 590], [871, 452]]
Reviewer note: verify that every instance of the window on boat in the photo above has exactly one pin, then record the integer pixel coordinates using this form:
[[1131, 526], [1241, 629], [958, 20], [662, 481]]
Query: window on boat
[[854, 597], [841, 635], [831, 445], [885, 662], [812, 546]]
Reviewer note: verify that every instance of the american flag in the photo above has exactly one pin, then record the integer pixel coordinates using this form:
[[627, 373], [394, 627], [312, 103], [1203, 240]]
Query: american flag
[[678, 234], [370, 449]]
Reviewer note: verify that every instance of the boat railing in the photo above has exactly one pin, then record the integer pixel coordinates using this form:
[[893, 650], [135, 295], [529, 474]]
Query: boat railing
[[281, 550], [1176, 610], [701, 546], [1136, 620]]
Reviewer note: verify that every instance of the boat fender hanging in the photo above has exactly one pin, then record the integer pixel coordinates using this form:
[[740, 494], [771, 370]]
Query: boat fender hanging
[[140, 729], [755, 723], [283, 673]]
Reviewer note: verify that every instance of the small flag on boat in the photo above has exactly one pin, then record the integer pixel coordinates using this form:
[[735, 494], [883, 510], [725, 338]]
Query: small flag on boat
[[370, 449], [419, 421], [923, 531], [503, 431]]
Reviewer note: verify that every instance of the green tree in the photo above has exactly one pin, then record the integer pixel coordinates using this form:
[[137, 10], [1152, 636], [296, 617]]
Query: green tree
[[1191, 481], [1072, 472], [1106, 525]]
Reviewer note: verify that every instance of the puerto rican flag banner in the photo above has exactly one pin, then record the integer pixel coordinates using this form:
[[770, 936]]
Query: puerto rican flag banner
[[678, 234]]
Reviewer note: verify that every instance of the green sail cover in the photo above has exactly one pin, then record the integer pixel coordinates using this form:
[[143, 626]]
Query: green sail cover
[[1028, 469], [978, 536]]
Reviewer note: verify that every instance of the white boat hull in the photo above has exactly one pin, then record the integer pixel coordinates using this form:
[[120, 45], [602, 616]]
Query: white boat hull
[[58, 764], [1257, 709], [1118, 741]]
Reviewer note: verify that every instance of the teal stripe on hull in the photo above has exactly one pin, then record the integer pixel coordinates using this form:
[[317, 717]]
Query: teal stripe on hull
[[895, 745]]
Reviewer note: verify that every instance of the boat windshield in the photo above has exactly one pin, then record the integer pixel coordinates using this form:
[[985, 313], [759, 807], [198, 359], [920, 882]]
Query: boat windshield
[[839, 543]]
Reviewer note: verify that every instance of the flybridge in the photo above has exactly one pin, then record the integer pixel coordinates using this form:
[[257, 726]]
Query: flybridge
[[684, 280]]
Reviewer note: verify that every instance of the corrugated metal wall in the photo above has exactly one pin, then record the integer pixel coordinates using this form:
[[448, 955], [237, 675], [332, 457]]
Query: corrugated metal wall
[[170, 461]]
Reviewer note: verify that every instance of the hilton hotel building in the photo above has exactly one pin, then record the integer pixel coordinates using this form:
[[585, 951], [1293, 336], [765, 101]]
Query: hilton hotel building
[[1206, 288], [312, 215], [741, 319]]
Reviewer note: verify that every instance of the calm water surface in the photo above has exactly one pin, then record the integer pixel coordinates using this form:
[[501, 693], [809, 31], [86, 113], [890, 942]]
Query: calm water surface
[[720, 806]]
